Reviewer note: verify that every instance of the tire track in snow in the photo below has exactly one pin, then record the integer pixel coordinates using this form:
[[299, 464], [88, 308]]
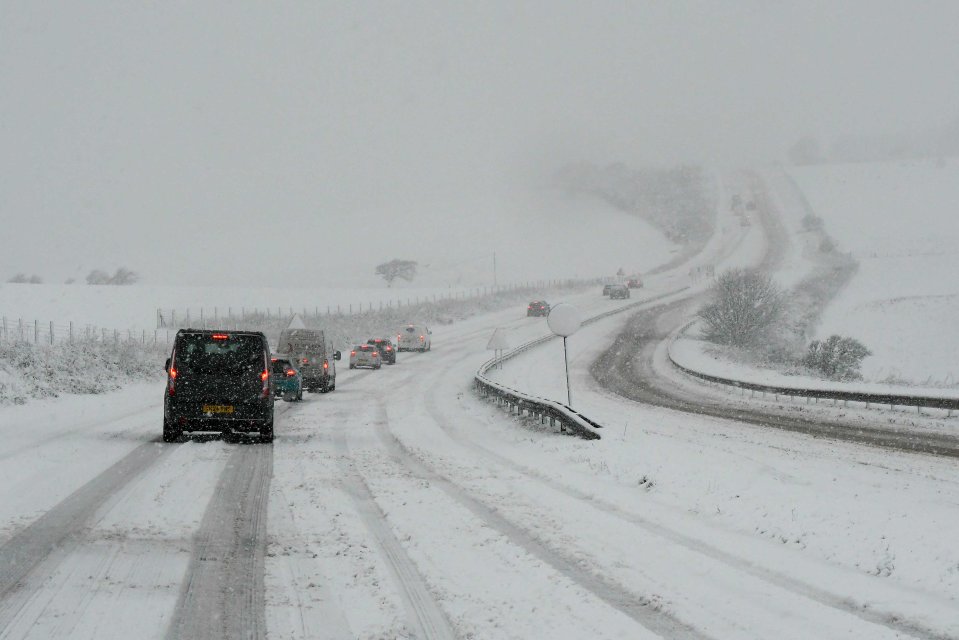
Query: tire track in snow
[[426, 619], [614, 595], [798, 587], [31, 556], [223, 591]]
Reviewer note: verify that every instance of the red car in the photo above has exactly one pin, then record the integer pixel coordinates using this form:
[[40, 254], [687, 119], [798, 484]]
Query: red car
[[634, 282], [537, 308]]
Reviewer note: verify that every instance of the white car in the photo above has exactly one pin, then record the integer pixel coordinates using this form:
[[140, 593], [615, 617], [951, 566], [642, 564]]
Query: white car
[[413, 337], [365, 355]]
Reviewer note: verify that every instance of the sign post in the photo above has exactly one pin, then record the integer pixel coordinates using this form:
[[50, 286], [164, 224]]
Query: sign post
[[564, 320], [498, 342]]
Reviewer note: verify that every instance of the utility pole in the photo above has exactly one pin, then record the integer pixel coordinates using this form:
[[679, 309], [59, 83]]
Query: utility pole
[[494, 268]]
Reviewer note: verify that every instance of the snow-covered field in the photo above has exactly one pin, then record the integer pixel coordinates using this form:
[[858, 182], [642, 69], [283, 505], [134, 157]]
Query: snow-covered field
[[899, 220]]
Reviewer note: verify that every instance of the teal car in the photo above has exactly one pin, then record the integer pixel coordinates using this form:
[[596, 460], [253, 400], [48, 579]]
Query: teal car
[[287, 379]]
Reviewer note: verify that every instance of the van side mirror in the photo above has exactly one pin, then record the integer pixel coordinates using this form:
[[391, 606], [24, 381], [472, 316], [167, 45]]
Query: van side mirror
[[336, 355], [166, 367]]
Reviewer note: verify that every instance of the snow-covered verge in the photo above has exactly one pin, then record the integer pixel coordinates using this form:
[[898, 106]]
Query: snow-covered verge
[[29, 371], [898, 220], [704, 357]]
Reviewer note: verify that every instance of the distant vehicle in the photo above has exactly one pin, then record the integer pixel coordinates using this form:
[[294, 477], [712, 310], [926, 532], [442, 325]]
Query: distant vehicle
[[386, 348], [618, 291], [750, 206], [218, 381], [315, 357], [414, 337], [365, 355], [287, 380], [744, 221], [634, 282], [736, 202], [607, 288], [537, 308]]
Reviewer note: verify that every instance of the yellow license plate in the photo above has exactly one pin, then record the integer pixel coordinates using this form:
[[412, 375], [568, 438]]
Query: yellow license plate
[[217, 408]]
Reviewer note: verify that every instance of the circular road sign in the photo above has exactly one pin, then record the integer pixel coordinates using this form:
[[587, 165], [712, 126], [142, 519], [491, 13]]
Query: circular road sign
[[564, 319]]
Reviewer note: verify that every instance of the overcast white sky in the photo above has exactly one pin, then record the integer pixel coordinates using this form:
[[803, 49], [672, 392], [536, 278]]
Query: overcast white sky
[[178, 137]]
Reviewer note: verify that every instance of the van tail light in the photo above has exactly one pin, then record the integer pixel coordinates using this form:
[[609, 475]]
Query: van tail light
[[221, 336], [352, 353], [376, 353], [306, 361], [171, 383], [326, 364], [290, 372], [389, 348], [265, 377], [422, 338]]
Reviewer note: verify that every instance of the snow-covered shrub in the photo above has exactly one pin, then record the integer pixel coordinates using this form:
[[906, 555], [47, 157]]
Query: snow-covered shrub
[[745, 306], [38, 371], [837, 357]]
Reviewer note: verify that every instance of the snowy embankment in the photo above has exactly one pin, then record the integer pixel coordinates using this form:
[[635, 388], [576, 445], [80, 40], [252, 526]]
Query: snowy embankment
[[898, 220], [706, 358], [900, 301]]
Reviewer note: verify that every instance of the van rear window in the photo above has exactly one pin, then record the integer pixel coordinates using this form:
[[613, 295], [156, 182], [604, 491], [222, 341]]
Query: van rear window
[[203, 354]]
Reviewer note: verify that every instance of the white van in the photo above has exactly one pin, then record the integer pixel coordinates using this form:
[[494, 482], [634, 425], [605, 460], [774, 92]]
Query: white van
[[314, 356], [413, 337]]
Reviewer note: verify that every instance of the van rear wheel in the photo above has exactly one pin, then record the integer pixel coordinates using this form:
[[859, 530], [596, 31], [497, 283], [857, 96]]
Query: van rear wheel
[[170, 433], [266, 432]]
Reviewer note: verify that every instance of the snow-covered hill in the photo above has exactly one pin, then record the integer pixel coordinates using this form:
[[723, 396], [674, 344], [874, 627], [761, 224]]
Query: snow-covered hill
[[899, 220]]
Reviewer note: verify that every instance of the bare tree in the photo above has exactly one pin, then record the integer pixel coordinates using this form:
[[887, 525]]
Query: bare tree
[[396, 268], [98, 277], [122, 276], [745, 306], [22, 278]]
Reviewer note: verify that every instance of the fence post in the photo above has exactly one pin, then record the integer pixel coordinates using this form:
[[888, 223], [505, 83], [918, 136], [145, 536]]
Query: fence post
[[36, 331], [71, 332], [51, 332], [143, 338], [116, 335], [4, 327]]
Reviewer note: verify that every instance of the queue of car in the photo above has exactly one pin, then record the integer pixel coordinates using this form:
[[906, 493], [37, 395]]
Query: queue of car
[[226, 381]]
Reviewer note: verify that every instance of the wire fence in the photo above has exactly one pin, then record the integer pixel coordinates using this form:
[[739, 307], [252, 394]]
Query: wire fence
[[48, 332], [240, 317]]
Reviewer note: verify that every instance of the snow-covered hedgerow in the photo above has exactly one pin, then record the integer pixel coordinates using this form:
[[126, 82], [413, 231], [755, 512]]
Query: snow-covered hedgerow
[[30, 371]]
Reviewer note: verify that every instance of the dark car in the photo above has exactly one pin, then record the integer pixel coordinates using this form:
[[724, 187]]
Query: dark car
[[618, 291], [634, 282], [537, 308], [606, 288], [386, 348], [218, 381]]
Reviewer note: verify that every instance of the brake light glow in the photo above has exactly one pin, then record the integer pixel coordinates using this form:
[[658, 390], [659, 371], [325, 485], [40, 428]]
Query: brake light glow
[[352, 353], [171, 383], [221, 336], [326, 364], [388, 348], [422, 338], [265, 376], [290, 372], [273, 359], [376, 353]]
